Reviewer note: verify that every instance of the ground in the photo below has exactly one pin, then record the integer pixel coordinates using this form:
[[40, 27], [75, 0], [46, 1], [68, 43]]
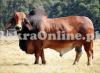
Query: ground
[[13, 60]]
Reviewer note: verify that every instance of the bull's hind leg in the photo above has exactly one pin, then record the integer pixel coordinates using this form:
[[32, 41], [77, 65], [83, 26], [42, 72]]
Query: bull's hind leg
[[88, 46], [78, 50]]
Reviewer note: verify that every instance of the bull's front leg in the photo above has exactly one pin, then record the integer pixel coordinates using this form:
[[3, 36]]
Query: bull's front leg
[[42, 57], [37, 54]]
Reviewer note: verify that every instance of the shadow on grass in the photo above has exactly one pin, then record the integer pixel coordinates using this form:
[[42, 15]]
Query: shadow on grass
[[16, 64]]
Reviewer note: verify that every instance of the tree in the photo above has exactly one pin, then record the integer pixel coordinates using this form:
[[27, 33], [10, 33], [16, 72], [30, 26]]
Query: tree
[[54, 8]]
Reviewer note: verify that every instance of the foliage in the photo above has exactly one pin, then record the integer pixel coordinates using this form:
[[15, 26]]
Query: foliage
[[54, 8]]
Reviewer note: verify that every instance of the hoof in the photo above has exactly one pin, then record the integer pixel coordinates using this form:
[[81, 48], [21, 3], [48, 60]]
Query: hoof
[[44, 62], [35, 62], [89, 64], [75, 63]]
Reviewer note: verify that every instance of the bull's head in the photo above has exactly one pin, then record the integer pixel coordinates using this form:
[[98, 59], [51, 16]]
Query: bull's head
[[20, 20]]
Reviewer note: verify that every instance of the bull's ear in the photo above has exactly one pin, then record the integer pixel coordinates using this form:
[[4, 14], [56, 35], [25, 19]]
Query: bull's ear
[[7, 25], [28, 24], [26, 20]]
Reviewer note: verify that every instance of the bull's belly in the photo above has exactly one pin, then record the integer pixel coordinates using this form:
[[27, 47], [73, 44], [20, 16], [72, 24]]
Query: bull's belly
[[64, 48], [61, 47]]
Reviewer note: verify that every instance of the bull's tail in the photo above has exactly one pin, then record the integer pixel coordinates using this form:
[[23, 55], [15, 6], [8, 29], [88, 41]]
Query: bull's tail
[[92, 54]]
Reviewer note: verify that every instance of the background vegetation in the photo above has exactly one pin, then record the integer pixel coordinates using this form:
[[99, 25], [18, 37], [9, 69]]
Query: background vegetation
[[54, 8]]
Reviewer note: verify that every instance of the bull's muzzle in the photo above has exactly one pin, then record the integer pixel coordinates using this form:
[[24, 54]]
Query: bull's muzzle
[[18, 27]]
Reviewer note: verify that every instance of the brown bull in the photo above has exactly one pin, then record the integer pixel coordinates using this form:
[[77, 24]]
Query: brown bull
[[70, 25]]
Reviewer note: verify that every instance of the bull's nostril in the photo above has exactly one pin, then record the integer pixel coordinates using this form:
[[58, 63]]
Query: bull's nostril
[[17, 28]]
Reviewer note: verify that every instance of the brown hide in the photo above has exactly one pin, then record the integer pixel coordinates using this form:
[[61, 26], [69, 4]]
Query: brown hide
[[69, 24]]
